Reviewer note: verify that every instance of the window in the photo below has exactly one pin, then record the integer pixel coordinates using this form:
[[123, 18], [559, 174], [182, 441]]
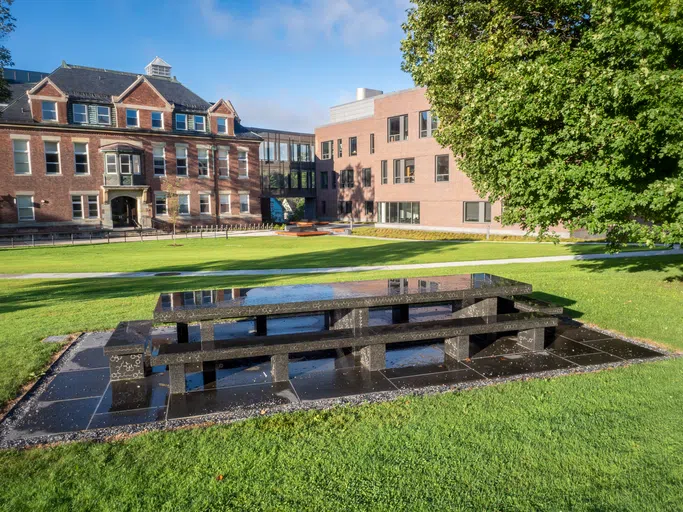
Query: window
[[136, 164], [404, 170], [244, 203], [339, 148], [372, 143], [22, 162], [157, 120], [353, 146], [404, 212], [124, 162], [384, 179], [132, 118], [110, 163], [346, 179], [76, 207], [323, 179], [160, 206], [323, 207], [103, 116], [81, 157], [49, 109], [223, 163], [199, 124], [181, 160], [159, 153], [283, 152], [224, 204], [345, 207], [397, 128], [93, 207], [203, 161], [80, 113], [267, 151], [335, 178], [367, 177], [326, 152], [369, 208], [204, 204], [51, 157], [428, 123], [442, 168], [242, 163], [181, 121], [25, 208], [221, 125], [183, 204], [477, 211]]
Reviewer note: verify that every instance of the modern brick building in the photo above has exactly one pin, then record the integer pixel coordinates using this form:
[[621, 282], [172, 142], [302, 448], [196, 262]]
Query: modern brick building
[[378, 161], [99, 148]]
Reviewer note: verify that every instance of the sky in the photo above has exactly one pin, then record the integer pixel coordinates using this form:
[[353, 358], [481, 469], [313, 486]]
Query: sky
[[282, 63]]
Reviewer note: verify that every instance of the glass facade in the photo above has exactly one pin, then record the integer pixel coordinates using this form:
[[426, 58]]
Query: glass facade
[[398, 212]]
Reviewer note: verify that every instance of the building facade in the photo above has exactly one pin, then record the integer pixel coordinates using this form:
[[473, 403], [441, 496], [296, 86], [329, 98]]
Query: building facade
[[377, 161], [91, 148]]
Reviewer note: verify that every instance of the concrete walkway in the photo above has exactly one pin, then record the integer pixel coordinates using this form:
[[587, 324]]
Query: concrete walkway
[[333, 270]]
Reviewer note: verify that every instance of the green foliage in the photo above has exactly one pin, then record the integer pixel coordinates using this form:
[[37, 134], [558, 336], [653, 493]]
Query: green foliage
[[414, 234], [569, 112], [6, 27]]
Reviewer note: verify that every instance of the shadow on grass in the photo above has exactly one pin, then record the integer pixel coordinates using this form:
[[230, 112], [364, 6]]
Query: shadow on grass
[[635, 264]]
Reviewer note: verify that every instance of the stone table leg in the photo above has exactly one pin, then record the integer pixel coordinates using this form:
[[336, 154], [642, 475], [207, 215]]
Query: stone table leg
[[457, 348], [279, 367], [349, 319], [373, 357], [177, 378], [183, 332], [206, 331], [532, 339]]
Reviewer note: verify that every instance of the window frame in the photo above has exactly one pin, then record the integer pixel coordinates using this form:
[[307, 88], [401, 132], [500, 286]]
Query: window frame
[[59, 159], [324, 183], [402, 128], [225, 124], [184, 195], [369, 211], [366, 177], [87, 159], [129, 164], [107, 164], [400, 171], [99, 115], [241, 152], [353, 146], [185, 158], [76, 200], [155, 157], [43, 104], [330, 150], [203, 163], [384, 172], [372, 143], [157, 197], [161, 119], [430, 125], [207, 203], [483, 212], [176, 117], [221, 167], [96, 202], [137, 118], [243, 194], [340, 148], [73, 113], [203, 122], [27, 152], [20, 208], [221, 196], [436, 169]]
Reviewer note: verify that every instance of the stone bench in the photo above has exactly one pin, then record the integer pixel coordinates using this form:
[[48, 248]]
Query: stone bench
[[369, 342], [528, 304], [126, 349]]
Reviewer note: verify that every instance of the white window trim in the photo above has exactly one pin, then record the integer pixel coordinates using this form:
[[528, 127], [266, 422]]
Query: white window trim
[[331, 153], [108, 114], [59, 158], [42, 117], [151, 120], [176, 122], [28, 153], [137, 118], [189, 211], [116, 164], [226, 125], [204, 214], [33, 208], [130, 164], [203, 118], [161, 146], [159, 195], [73, 113], [227, 160], [239, 173], [97, 201], [187, 160], [248, 212], [80, 201], [208, 161], [229, 196], [87, 159]]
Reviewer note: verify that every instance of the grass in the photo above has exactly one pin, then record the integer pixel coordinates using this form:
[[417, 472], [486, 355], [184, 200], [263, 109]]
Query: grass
[[415, 234], [604, 441], [265, 253]]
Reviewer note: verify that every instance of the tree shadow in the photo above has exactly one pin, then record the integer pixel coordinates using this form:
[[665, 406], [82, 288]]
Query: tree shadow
[[634, 264]]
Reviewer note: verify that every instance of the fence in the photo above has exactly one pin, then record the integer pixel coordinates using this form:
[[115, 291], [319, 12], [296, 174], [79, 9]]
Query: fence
[[106, 237]]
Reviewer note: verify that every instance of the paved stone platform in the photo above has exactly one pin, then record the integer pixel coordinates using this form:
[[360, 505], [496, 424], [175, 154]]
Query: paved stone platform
[[77, 400]]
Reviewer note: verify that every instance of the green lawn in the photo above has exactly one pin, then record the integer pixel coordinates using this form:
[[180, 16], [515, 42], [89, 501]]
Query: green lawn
[[605, 441], [266, 252]]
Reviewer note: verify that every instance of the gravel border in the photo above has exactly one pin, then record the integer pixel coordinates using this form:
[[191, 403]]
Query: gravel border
[[29, 400]]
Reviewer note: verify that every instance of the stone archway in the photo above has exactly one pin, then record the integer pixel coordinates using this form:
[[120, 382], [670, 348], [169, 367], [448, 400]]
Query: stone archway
[[124, 212]]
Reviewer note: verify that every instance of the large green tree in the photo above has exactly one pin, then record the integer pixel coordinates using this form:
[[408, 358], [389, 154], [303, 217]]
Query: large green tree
[[6, 27], [570, 112]]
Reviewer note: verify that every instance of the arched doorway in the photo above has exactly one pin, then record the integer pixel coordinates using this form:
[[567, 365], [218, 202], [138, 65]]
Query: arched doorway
[[124, 212]]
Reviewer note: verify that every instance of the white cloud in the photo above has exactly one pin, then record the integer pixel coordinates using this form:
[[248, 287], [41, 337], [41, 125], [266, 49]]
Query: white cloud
[[351, 22], [281, 113]]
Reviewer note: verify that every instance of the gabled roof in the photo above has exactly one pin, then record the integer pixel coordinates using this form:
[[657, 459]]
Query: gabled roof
[[43, 82], [140, 79], [158, 61]]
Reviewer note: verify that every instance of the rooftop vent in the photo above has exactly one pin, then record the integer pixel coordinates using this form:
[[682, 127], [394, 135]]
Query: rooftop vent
[[364, 93], [158, 67]]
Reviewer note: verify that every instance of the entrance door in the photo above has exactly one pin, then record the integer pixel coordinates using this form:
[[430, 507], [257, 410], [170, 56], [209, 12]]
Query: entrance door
[[124, 212]]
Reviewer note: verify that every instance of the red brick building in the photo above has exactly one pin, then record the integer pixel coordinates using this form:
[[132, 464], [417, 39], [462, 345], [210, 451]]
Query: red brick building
[[378, 161], [99, 148]]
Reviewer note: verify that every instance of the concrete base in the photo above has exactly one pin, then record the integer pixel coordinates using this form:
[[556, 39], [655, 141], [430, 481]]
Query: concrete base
[[279, 367]]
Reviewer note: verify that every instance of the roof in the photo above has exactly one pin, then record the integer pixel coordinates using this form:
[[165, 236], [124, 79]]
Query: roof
[[284, 132], [158, 61]]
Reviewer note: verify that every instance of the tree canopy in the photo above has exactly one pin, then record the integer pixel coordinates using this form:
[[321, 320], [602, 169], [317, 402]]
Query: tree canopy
[[569, 112]]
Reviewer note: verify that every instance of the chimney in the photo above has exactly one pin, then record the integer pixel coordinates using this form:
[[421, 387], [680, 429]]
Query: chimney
[[158, 67], [363, 93]]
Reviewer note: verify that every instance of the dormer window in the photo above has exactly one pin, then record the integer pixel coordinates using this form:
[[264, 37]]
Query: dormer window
[[49, 110], [80, 113], [132, 118], [199, 124], [157, 120], [103, 116], [181, 122], [222, 125]]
